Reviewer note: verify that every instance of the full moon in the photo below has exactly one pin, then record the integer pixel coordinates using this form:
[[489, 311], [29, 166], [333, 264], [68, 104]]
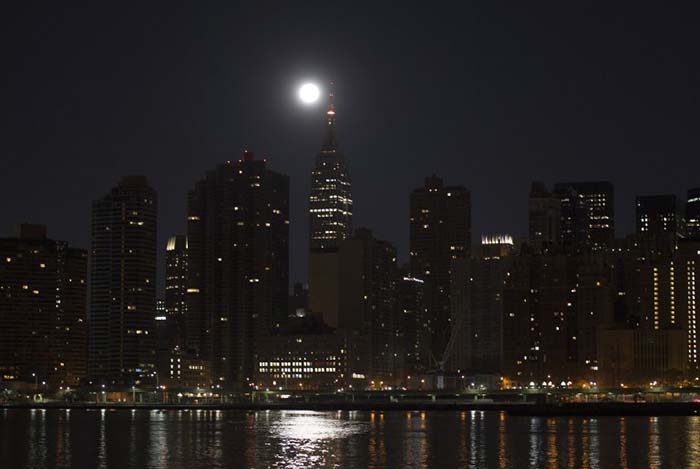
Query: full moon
[[309, 93]]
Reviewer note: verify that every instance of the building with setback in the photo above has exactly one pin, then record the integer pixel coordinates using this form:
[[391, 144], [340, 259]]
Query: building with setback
[[238, 265], [123, 284], [330, 222], [440, 232], [43, 327]]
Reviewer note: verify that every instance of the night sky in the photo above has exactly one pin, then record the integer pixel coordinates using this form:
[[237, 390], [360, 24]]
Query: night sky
[[484, 96]]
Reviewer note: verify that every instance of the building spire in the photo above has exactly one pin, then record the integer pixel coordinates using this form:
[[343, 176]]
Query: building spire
[[330, 143]]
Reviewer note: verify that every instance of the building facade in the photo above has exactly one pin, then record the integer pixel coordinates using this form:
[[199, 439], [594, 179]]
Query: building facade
[[440, 232], [238, 265], [176, 289], [123, 284], [43, 321], [597, 217]]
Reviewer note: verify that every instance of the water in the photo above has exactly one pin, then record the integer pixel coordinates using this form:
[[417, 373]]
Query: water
[[213, 439]]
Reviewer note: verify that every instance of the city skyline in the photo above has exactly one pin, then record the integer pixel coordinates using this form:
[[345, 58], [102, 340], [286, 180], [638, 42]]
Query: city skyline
[[509, 107]]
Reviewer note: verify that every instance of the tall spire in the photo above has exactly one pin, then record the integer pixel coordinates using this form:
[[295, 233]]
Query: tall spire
[[330, 143]]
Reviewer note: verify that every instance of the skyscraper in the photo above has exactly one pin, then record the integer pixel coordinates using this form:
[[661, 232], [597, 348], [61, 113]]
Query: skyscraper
[[176, 288], [598, 215], [440, 231], [544, 216], [330, 222], [43, 328], [574, 221], [367, 305], [330, 201], [413, 326], [692, 213], [123, 283], [660, 219], [238, 265]]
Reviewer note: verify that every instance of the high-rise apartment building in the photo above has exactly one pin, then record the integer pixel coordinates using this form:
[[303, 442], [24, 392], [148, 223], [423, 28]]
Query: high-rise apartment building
[[123, 283], [237, 264], [367, 303], [413, 324], [43, 327], [440, 232]]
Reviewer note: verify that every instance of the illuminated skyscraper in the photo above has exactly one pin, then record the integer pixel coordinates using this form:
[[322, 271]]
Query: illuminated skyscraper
[[330, 223], [123, 283], [237, 265], [330, 201]]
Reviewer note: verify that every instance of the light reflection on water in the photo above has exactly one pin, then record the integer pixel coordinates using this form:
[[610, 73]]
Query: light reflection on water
[[214, 439]]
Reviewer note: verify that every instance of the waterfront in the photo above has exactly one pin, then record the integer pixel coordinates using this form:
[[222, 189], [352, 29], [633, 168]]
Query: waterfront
[[215, 438]]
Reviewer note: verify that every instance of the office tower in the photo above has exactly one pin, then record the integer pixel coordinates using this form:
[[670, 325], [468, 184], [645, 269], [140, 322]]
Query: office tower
[[238, 265], [330, 222], [440, 232], [413, 324], [544, 216], [598, 202], [176, 289], [692, 213], [123, 284], [660, 217], [367, 306], [43, 328], [330, 201]]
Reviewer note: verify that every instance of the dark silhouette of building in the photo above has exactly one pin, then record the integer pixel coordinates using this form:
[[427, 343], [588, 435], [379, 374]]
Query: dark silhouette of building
[[43, 327], [574, 223], [367, 305], [238, 265], [659, 215], [440, 231], [176, 289], [413, 324], [692, 213], [544, 216], [478, 300], [123, 283], [597, 217], [330, 222]]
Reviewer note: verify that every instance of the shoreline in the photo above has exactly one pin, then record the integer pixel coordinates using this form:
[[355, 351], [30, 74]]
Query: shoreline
[[598, 409]]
